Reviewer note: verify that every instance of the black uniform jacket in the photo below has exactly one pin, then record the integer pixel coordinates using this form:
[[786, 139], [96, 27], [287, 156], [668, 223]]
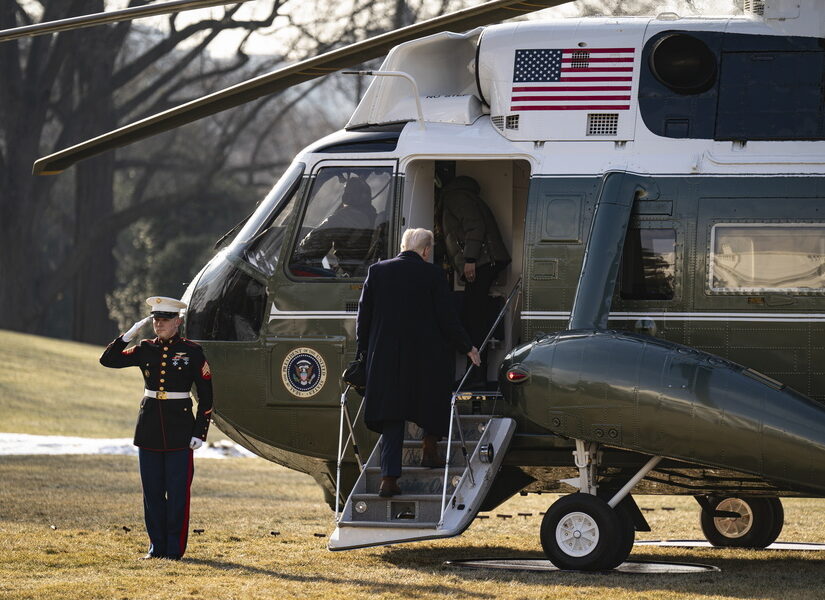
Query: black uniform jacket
[[408, 330], [171, 366]]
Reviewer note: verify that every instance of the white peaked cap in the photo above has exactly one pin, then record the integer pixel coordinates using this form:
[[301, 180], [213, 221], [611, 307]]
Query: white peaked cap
[[165, 307]]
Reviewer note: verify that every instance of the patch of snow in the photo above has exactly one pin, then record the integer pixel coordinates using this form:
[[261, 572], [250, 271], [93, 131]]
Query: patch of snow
[[23, 443]]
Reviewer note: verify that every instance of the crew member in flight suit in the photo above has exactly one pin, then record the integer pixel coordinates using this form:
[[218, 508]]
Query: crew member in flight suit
[[167, 432]]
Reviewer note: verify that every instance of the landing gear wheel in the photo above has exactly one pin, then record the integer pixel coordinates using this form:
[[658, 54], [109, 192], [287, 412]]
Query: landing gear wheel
[[627, 532], [758, 525], [581, 532]]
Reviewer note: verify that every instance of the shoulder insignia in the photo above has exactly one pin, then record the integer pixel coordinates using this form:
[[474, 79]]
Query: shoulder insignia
[[206, 372]]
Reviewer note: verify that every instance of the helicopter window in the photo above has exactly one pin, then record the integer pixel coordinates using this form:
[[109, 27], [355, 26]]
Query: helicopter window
[[649, 264], [272, 205], [683, 63], [767, 257], [344, 229], [264, 249], [227, 304]]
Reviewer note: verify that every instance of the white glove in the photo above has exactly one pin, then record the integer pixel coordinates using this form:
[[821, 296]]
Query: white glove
[[135, 328], [195, 443]]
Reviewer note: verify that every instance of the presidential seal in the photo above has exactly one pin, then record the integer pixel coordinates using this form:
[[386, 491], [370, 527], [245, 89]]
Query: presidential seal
[[304, 372]]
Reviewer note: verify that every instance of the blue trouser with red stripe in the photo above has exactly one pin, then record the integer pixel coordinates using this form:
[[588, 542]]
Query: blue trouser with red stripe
[[166, 479]]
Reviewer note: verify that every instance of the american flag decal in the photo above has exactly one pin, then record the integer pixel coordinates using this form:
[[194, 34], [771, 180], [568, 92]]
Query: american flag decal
[[576, 79]]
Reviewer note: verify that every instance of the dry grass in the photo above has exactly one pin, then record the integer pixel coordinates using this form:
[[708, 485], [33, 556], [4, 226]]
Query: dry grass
[[239, 502]]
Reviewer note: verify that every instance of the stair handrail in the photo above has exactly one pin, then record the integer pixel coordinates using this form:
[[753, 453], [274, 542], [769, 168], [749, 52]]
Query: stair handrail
[[342, 445], [454, 416]]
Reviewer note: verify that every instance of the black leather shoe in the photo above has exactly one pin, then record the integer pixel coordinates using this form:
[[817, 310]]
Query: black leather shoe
[[389, 487], [173, 556], [150, 555]]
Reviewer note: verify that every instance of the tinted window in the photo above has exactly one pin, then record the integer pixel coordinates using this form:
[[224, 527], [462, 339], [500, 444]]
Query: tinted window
[[272, 205], [648, 264], [265, 247], [767, 257], [227, 304], [344, 228]]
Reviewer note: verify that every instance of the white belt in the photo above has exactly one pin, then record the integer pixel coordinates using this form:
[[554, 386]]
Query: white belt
[[166, 395]]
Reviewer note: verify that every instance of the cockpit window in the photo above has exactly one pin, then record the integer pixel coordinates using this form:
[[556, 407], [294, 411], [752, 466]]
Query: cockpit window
[[272, 204], [344, 229], [768, 257], [226, 304]]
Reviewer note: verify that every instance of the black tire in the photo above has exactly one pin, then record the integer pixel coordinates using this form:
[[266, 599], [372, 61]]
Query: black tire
[[778, 520], [758, 526], [627, 533], [581, 532]]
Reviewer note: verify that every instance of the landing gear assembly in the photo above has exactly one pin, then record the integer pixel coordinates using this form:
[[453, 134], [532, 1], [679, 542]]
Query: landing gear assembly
[[741, 522], [584, 531]]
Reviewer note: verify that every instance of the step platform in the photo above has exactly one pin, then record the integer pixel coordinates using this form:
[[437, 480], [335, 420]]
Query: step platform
[[415, 515]]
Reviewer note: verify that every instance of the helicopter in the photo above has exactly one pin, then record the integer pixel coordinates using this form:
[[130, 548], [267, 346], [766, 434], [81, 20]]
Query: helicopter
[[658, 182]]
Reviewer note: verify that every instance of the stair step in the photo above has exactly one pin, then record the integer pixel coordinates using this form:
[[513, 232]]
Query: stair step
[[472, 426], [385, 525], [404, 508], [412, 453], [415, 480]]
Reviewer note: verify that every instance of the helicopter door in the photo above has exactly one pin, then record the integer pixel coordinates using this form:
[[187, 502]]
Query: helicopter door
[[342, 227]]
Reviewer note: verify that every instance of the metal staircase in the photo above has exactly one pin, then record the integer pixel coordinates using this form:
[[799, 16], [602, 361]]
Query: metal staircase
[[426, 509], [434, 503]]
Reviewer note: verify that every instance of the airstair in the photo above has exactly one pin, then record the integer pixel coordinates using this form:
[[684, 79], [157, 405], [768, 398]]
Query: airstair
[[436, 502]]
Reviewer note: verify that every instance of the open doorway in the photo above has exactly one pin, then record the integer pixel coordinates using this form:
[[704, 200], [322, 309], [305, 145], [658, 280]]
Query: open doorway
[[503, 188]]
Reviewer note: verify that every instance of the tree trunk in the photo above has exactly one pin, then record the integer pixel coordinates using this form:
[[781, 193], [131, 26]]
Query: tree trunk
[[94, 191]]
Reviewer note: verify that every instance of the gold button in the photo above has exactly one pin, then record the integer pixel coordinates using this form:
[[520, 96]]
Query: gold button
[[160, 388], [163, 372], [163, 364], [163, 381], [165, 348], [165, 356]]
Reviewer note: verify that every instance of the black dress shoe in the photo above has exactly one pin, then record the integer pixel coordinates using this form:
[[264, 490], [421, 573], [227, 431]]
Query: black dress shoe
[[389, 487], [173, 556], [433, 461], [150, 555]]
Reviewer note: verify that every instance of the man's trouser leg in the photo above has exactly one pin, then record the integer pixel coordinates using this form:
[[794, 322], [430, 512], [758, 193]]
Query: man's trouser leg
[[153, 479], [392, 444], [475, 313], [179, 471]]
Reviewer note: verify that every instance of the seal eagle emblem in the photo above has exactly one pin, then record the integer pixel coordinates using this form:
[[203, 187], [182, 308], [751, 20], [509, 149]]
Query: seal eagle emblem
[[303, 372]]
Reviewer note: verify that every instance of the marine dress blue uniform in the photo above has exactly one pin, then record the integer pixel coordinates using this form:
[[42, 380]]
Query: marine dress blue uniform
[[164, 429]]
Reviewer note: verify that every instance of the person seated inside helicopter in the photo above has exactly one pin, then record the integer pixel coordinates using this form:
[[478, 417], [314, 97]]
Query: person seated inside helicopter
[[342, 241]]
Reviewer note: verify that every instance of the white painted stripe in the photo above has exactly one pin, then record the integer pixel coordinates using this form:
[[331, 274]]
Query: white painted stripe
[[693, 316]]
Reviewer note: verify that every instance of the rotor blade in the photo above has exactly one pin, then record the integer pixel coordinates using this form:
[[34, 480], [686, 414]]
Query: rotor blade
[[285, 77], [113, 16]]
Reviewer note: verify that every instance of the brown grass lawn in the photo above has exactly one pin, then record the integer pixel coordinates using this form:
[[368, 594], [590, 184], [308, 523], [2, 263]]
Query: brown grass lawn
[[62, 525]]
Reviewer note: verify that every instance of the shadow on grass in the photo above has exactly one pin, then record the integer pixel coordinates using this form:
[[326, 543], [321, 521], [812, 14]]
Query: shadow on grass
[[767, 575], [369, 586]]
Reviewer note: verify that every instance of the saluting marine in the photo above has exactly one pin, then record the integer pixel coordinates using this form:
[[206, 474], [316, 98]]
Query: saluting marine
[[167, 431]]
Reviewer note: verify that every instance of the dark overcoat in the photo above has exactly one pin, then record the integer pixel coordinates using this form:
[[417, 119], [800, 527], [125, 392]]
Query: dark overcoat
[[408, 330]]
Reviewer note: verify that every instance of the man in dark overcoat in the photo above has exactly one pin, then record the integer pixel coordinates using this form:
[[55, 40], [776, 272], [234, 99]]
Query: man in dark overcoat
[[167, 430], [408, 331]]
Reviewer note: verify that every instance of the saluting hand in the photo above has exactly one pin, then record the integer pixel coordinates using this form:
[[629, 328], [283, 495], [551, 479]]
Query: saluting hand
[[474, 356], [135, 328], [195, 443]]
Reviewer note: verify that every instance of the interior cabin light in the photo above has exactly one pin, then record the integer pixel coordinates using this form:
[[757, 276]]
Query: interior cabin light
[[516, 375]]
